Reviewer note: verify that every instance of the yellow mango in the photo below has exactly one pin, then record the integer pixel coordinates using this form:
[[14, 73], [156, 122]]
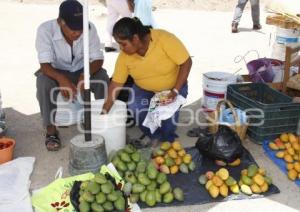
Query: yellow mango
[[280, 154], [172, 153], [297, 166], [291, 151], [174, 169], [235, 163], [262, 171], [187, 158], [223, 173], [288, 158], [165, 145], [224, 190], [217, 181], [296, 157], [255, 188], [209, 175], [178, 161], [246, 190], [292, 174], [292, 138], [176, 145], [244, 172], [289, 166], [208, 184], [181, 153], [296, 146], [235, 189], [159, 160], [214, 191], [264, 187], [284, 137], [273, 146], [259, 179]]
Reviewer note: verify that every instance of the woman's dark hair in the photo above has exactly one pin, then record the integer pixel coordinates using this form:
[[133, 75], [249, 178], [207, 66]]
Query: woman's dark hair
[[125, 28]]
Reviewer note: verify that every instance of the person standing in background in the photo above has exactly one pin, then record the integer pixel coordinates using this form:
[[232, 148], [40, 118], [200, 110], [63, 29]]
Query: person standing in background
[[239, 12], [116, 9], [142, 9]]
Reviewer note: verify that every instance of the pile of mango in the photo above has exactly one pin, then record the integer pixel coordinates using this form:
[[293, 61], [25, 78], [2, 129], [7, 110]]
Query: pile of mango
[[288, 149], [254, 180], [150, 186], [128, 159], [99, 194], [170, 158], [219, 183]]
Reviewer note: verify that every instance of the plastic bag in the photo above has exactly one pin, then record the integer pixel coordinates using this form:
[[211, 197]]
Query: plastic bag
[[225, 145]]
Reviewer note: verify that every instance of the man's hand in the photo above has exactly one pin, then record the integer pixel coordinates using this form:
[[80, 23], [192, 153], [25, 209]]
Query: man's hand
[[67, 88], [80, 84]]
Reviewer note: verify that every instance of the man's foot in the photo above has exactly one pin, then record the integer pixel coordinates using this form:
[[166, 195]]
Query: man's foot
[[256, 27], [110, 49], [234, 27], [52, 142]]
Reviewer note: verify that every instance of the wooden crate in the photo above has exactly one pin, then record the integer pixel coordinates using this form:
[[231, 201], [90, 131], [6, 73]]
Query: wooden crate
[[282, 21]]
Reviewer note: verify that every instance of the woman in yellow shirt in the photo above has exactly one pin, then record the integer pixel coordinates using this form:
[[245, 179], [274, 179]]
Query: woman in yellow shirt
[[157, 61]]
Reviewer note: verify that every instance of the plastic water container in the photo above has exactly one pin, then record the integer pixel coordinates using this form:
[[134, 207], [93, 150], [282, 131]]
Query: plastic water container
[[111, 126], [215, 87]]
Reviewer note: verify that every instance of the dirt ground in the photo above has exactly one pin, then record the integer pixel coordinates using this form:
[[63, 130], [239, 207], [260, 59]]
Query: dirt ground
[[208, 5]]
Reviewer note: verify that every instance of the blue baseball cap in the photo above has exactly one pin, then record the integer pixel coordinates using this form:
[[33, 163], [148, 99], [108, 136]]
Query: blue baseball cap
[[71, 12]]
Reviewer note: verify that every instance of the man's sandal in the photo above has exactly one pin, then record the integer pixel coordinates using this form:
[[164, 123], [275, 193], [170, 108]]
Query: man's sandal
[[52, 142]]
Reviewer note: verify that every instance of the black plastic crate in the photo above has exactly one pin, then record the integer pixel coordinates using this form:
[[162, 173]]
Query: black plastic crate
[[273, 122], [259, 139], [260, 96], [273, 130]]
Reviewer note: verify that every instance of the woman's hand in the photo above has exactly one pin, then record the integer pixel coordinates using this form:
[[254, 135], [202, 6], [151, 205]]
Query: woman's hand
[[169, 98]]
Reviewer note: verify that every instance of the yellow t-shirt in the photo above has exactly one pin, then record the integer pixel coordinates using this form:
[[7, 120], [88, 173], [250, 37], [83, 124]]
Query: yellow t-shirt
[[158, 69]]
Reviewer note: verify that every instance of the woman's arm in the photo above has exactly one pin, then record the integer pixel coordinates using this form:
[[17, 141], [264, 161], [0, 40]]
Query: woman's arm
[[113, 92], [131, 5]]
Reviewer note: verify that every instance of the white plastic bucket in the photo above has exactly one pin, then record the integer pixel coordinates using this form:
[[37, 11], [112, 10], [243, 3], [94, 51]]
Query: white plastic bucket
[[286, 36], [215, 87], [111, 126]]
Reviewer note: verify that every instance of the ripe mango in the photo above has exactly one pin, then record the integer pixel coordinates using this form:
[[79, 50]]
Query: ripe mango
[[230, 181], [220, 163], [217, 181], [262, 171], [223, 173], [224, 190], [159, 160], [246, 180], [291, 151], [255, 188], [280, 154], [296, 157], [258, 179], [172, 153], [165, 145], [213, 191], [176, 145], [273, 146], [289, 166], [288, 158], [296, 146], [292, 138], [174, 169], [181, 153], [208, 184], [284, 137], [187, 158], [235, 189], [292, 174], [178, 161], [246, 189], [264, 187], [209, 175], [244, 172], [164, 169], [297, 166], [237, 162]]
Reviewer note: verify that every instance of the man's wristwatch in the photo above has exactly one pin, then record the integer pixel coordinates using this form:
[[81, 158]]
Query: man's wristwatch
[[175, 91]]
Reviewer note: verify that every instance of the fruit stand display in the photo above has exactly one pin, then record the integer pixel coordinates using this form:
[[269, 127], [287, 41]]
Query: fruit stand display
[[285, 152]]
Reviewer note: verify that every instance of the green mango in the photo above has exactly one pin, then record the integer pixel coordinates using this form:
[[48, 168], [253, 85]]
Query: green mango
[[129, 149], [152, 186], [93, 187], [120, 204], [157, 195], [106, 188], [161, 178], [87, 196], [131, 166], [81, 199], [202, 179], [115, 161], [164, 188], [143, 196], [134, 198], [268, 180], [168, 197], [143, 179], [252, 170], [230, 181], [136, 157], [151, 171], [121, 166], [150, 198], [83, 185], [108, 206], [96, 207], [141, 167], [100, 178], [112, 196], [81, 192], [84, 206], [158, 152], [169, 162], [100, 198], [121, 173], [129, 177], [192, 166], [125, 157], [178, 194], [138, 188], [183, 168], [247, 180]]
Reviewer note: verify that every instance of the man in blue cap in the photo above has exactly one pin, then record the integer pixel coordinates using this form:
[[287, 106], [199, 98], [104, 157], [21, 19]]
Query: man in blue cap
[[59, 45]]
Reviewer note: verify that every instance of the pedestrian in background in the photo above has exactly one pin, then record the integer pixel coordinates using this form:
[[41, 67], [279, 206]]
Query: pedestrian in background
[[239, 12]]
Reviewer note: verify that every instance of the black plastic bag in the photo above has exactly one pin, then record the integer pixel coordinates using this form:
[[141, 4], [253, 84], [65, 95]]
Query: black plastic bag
[[225, 145]]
